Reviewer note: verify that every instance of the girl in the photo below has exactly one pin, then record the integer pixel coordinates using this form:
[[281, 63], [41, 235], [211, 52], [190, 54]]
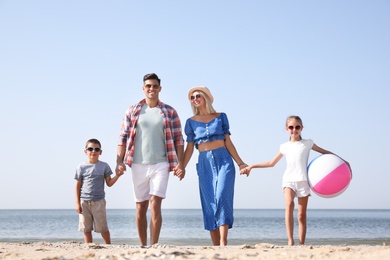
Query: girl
[[295, 182], [208, 131]]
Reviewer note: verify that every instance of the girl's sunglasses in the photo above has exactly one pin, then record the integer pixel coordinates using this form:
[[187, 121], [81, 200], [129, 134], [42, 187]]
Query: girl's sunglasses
[[296, 127], [196, 96]]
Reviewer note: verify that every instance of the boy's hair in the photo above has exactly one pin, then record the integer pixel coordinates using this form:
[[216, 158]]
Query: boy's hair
[[93, 141], [152, 76]]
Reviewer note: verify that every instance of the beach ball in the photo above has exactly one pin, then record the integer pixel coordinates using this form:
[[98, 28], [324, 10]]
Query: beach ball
[[328, 175]]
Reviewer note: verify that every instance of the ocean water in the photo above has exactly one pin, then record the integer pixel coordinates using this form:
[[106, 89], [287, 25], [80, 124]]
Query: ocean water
[[185, 227]]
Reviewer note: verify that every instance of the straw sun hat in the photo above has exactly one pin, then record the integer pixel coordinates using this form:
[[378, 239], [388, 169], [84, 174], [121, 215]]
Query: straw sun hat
[[203, 89]]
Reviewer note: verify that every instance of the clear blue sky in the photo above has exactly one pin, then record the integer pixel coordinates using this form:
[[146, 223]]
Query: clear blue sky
[[69, 69]]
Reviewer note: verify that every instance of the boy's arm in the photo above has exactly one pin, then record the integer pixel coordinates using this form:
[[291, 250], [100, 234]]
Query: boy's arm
[[78, 191], [111, 181]]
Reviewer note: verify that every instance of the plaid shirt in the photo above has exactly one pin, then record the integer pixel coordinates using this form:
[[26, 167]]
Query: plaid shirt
[[173, 134]]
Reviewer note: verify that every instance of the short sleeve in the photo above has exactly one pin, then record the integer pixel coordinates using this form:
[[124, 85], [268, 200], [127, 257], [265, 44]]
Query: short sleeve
[[189, 131], [281, 149], [310, 143], [225, 124], [77, 175], [107, 170]]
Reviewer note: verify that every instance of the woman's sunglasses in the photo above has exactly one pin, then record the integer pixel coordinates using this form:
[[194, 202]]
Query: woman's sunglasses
[[92, 149], [296, 127], [196, 96]]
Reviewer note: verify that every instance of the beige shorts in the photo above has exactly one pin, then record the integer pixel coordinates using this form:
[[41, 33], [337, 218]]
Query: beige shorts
[[150, 179], [94, 216], [301, 188]]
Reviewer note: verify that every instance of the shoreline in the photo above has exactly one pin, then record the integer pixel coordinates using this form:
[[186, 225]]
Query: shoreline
[[207, 242], [77, 250]]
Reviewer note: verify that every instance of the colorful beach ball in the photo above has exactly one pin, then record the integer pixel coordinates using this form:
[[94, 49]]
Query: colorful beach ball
[[328, 175]]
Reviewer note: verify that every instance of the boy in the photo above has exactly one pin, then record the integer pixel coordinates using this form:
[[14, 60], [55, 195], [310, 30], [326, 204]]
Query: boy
[[90, 195]]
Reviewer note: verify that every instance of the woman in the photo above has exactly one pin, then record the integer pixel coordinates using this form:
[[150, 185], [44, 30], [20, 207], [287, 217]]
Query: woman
[[208, 131]]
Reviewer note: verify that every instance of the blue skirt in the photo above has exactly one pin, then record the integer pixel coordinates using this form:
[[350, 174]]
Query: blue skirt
[[216, 175]]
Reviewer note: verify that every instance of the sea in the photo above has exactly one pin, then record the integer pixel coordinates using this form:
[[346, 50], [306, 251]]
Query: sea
[[183, 227]]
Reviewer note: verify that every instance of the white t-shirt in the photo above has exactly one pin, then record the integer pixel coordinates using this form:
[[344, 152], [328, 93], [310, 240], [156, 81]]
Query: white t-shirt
[[149, 146], [297, 156]]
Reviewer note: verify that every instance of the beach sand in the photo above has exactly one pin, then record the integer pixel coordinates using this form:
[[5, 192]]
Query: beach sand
[[77, 250]]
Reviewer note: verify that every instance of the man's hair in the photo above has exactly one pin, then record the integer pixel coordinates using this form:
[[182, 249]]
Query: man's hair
[[152, 76], [93, 141]]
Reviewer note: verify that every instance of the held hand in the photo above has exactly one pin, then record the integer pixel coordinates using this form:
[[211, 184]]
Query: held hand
[[120, 169], [245, 170], [179, 171]]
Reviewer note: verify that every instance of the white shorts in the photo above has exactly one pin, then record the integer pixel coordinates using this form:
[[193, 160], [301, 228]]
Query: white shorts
[[150, 179], [301, 188]]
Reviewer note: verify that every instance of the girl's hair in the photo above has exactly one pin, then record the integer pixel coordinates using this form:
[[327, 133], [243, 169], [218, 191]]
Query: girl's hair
[[296, 118], [209, 106]]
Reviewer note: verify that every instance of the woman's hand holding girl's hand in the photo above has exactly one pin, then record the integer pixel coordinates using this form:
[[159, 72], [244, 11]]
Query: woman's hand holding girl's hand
[[245, 170]]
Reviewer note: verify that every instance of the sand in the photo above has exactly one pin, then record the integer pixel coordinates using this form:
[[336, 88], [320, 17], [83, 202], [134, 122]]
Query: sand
[[77, 250]]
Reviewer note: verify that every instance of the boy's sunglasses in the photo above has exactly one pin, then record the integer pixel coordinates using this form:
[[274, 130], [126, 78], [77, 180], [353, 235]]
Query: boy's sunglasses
[[196, 96], [296, 128], [92, 149]]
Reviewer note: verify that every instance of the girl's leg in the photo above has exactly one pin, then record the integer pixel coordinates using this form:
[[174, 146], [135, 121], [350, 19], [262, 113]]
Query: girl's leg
[[302, 207], [289, 196], [215, 237]]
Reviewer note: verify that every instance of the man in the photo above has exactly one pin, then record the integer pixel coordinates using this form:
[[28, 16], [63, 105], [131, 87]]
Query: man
[[152, 144]]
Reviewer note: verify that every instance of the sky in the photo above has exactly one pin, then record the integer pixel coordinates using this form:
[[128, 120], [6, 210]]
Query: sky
[[69, 70]]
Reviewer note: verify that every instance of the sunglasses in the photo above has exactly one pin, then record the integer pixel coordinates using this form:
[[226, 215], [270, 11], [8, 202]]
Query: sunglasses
[[196, 96], [152, 86], [92, 149], [296, 128]]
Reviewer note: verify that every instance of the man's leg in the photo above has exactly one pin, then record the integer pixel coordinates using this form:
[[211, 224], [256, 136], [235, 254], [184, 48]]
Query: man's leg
[[142, 221], [158, 189], [156, 221]]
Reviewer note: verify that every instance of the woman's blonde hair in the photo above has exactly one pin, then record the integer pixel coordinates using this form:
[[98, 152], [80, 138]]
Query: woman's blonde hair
[[209, 107]]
